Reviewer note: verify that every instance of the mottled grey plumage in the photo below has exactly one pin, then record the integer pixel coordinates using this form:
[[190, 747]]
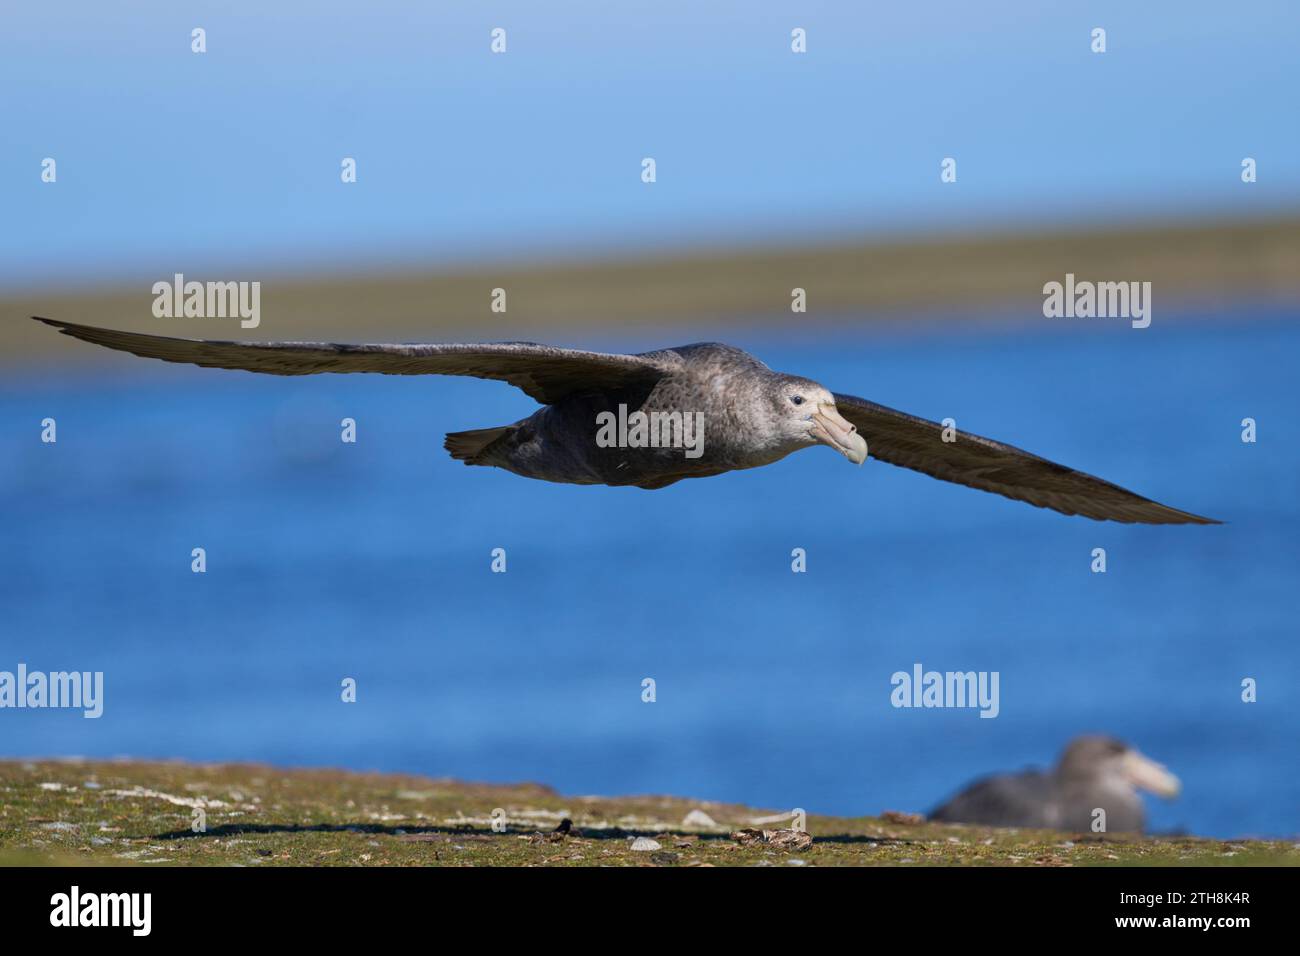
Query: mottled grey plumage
[[1093, 773], [753, 416]]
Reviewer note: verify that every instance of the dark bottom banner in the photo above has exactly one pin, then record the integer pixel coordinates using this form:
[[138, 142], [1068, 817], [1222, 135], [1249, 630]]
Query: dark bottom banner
[[333, 905]]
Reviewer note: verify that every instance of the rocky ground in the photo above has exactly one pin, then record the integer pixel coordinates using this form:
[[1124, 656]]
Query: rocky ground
[[140, 813]]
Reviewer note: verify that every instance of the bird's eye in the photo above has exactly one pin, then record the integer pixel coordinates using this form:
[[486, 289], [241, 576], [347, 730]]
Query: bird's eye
[[797, 399]]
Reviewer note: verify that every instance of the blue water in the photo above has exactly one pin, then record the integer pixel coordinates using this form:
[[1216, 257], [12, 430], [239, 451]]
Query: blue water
[[371, 561]]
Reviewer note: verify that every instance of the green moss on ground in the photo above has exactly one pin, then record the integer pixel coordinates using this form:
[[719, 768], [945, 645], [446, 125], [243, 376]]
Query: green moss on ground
[[118, 813]]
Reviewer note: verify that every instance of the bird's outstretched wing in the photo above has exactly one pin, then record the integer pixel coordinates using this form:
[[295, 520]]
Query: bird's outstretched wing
[[545, 373], [915, 443]]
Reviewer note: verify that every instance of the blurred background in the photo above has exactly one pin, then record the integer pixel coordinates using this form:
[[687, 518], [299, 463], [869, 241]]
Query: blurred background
[[775, 170]]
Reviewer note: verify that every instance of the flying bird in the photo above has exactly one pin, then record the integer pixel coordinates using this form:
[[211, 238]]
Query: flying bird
[[749, 416], [1093, 773]]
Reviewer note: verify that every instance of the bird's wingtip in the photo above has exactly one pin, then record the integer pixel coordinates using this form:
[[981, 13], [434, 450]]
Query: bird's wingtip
[[66, 328]]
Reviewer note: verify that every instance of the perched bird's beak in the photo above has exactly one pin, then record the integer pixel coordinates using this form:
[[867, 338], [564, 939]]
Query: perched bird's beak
[[1146, 774], [829, 427]]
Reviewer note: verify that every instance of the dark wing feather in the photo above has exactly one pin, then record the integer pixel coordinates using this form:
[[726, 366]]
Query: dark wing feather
[[915, 443], [1019, 800], [543, 372]]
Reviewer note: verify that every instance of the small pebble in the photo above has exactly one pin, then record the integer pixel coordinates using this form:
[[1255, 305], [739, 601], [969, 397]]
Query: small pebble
[[698, 818]]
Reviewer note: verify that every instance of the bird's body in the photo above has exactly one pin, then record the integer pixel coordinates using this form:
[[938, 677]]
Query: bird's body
[[1038, 800], [653, 419], [559, 442], [1094, 773]]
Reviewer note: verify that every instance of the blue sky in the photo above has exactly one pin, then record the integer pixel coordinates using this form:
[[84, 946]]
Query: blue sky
[[170, 161]]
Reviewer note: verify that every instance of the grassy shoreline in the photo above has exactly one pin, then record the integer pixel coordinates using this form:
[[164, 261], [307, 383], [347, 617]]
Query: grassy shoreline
[[849, 283], [76, 812]]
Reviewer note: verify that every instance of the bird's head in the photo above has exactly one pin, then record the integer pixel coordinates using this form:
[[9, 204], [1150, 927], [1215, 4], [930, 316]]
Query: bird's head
[[1116, 762], [805, 414]]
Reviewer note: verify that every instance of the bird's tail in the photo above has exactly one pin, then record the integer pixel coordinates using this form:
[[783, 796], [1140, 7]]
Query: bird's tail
[[470, 446]]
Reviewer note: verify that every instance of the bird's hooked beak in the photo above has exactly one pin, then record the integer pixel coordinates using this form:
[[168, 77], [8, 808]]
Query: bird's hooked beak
[[1145, 774], [830, 428]]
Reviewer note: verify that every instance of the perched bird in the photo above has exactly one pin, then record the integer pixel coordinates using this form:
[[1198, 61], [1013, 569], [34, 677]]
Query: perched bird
[[655, 418], [1093, 773]]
